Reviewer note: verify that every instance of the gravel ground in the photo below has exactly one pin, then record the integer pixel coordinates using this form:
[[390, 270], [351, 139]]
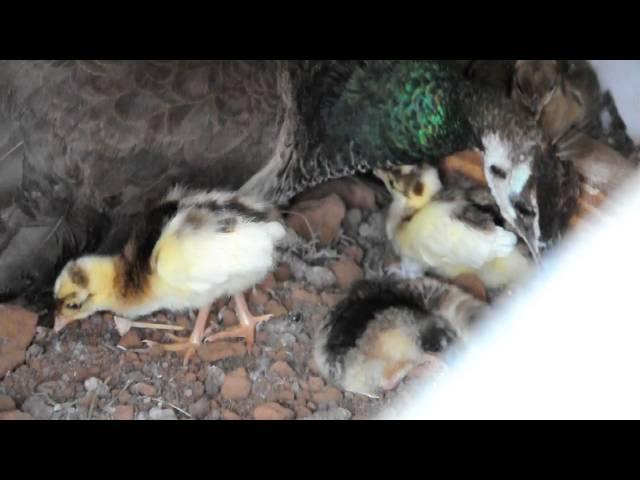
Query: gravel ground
[[89, 372]]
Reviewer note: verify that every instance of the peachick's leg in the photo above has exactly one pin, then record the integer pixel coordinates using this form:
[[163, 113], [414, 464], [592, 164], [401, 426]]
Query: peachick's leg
[[189, 345], [248, 323]]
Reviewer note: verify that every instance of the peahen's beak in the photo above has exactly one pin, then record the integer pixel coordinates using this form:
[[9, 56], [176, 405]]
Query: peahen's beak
[[531, 240]]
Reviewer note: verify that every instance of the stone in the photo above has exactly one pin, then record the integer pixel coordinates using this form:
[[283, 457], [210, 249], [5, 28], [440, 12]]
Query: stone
[[199, 409], [347, 272], [273, 307], [299, 295], [326, 395], [331, 414], [269, 283], [236, 385], [214, 381], [258, 297], [6, 403], [272, 411], [323, 216], [282, 369], [229, 318], [17, 329], [123, 412], [354, 192], [230, 415], [331, 299], [354, 252], [282, 273], [320, 277], [219, 350], [144, 389], [315, 384], [162, 414], [352, 221], [131, 339], [15, 415], [37, 408]]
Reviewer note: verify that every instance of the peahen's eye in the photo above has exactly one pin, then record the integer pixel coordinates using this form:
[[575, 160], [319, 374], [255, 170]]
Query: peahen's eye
[[523, 209], [498, 172]]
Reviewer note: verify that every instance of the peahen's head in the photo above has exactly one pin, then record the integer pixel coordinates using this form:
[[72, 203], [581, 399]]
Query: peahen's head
[[511, 172]]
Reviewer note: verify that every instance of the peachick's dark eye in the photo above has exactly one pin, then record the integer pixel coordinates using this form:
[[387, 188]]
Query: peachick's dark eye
[[498, 172], [524, 210], [73, 306]]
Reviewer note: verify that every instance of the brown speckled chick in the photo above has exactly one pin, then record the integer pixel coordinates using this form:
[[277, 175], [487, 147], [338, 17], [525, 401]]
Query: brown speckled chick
[[383, 329]]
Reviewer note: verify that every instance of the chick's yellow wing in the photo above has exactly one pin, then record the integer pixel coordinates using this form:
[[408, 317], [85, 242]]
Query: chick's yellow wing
[[206, 258], [434, 236]]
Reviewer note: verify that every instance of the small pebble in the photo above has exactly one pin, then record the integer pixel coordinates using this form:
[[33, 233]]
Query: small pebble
[[124, 396], [352, 221], [162, 414], [15, 415], [131, 339], [214, 381], [302, 411], [272, 411], [229, 318], [273, 307], [236, 386], [282, 369], [347, 272], [6, 403], [199, 409], [144, 389], [282, 273], [331, 414], [258, 297], [214, 351], [354, 252], [37, 408], [269, 283], [320, 277], [96, 385], [230, 415], [315, 384], [34, 350], [123, 412], [327, 395]]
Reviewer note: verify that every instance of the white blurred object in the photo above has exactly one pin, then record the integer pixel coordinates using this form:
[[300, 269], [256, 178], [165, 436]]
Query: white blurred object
[[566, 348], [622, 78]]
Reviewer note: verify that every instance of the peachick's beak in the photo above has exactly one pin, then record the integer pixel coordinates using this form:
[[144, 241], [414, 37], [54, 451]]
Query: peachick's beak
[[61, 322]]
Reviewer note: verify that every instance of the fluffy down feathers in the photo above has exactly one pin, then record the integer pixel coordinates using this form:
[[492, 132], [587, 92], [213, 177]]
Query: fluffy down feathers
[[383, 329], [192, 248], [444, 232]]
